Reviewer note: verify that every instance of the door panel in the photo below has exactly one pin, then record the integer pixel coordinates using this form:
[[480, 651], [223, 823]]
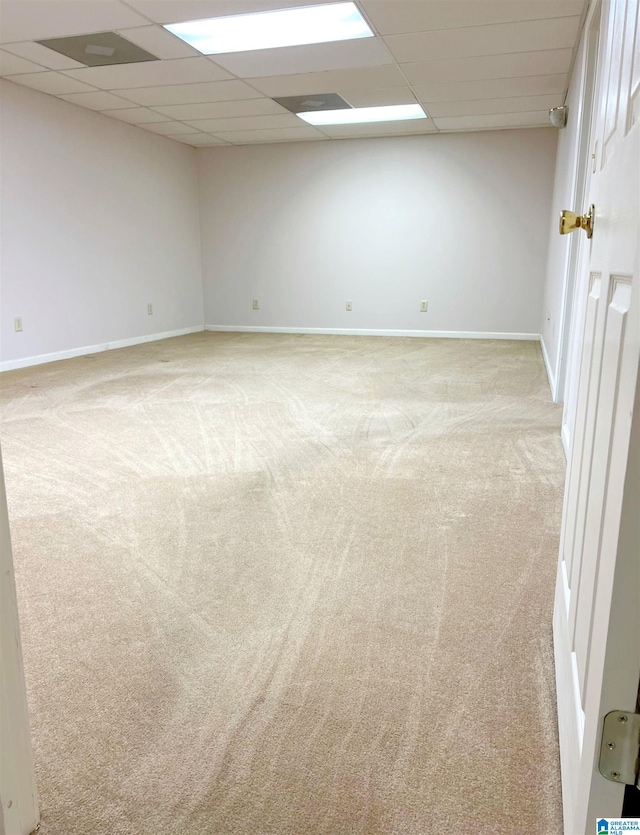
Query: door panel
[[612, 343], [611, 98], [568, 536], [578, 479]]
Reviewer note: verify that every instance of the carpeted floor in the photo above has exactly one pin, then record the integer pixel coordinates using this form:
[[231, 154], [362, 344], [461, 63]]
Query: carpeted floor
[[295, 585]]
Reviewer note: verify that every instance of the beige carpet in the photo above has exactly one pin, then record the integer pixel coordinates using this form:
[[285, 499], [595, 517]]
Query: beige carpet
[[289, 585]]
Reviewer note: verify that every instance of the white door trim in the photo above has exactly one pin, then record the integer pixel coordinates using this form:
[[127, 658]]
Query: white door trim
[[19, 801]]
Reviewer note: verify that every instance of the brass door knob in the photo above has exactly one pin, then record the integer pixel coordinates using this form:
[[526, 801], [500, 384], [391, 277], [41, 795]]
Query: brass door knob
[[570, 221]]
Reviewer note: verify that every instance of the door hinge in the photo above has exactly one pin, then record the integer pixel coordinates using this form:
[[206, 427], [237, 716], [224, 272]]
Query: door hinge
[[620, 749]]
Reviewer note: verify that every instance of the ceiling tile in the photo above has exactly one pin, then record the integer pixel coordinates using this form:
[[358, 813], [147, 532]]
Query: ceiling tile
[[379, 98], [371, 78], [498, 120], [159, 42], [38, 19], [173, 11], [274, 135], [495, 88], [52, 82], [99, 100], [12, 65], [473, 41], [484, 106], [339, 55], [429, 15], [286, 120], [222, 109], [490, 66], [199, 139], [379, 129], [150, 74], [138, 116], [170, 128], [474, 64], [42, 56], [190, 93]]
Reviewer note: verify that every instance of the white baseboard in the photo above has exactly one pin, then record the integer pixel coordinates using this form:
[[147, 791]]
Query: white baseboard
[[374, 332], [25, 362], [550, 375], [40, 359]]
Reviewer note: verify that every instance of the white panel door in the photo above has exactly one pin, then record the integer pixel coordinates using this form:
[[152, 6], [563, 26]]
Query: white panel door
[[596, 617]]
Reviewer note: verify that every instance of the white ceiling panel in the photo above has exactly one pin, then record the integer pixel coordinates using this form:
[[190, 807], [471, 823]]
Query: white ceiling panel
[[496, 120], [150, 74], [222, 109], [138, 116], [169, 128], [42, 56], [34, 20], [557, 33], [53, 83], [274, 135], [159, 42], [190, 93], [319, 57], [174, 11], [99, 100], [398, 16], [515, 65], [378, 98], [286, 120], [495, 88], [379, 129], [199, 139], [12, 65], [371, 78], [482, 107], [473, 64]]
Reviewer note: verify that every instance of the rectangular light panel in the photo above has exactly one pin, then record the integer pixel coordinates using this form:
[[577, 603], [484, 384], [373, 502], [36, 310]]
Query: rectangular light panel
[[266, 30], [358, 115]]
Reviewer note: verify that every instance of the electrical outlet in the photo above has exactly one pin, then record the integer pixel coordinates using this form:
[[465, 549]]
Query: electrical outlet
[[423, 306], [256, 304], [349, 306], [17, 324], [150, 309]]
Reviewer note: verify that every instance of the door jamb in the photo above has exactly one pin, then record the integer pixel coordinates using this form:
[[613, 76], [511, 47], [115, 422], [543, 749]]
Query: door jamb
[[19, 814]]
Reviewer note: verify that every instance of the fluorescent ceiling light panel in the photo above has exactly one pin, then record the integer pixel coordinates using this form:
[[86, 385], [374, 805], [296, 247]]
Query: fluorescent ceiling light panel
[[358, 115], [266, 30]]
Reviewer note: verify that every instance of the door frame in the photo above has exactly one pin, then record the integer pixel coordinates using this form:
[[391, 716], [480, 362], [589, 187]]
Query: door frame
[[19, 814]]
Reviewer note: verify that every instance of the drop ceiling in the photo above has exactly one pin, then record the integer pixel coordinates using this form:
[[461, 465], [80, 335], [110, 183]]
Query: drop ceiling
[[471, 64]]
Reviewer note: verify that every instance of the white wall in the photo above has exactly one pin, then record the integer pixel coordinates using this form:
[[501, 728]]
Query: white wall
[[99, 218], [460, 220]]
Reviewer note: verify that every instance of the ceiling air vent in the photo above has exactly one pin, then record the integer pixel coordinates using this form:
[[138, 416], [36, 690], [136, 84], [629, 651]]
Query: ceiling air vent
[[317, 101], [99, 49]]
